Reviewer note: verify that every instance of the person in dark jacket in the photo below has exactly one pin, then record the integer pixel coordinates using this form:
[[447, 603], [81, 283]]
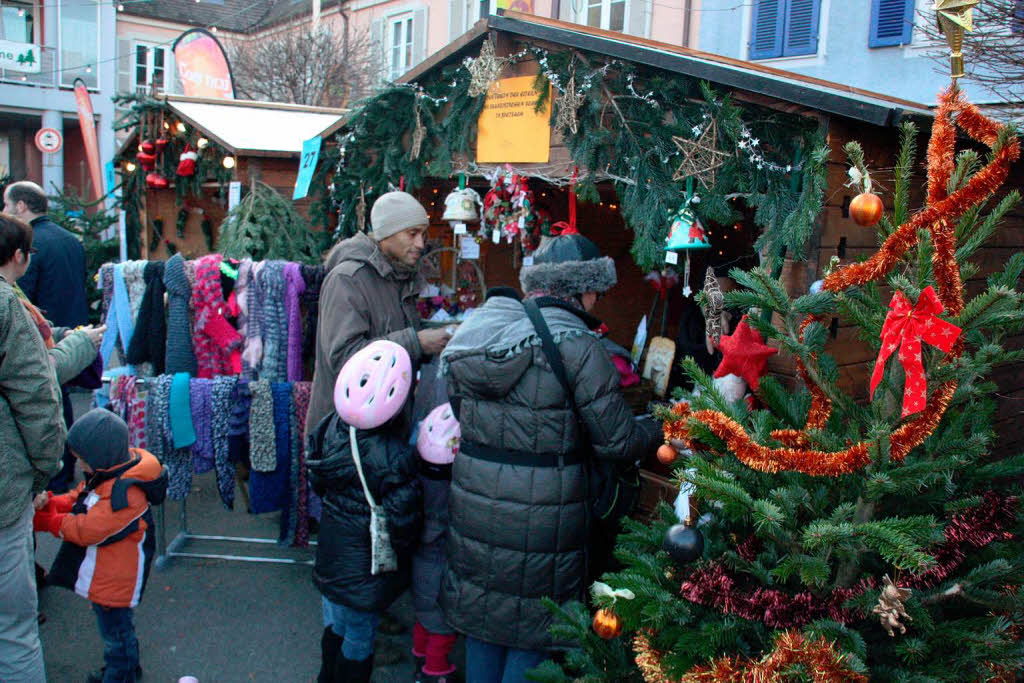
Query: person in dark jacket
[[437, 443], [359, 463], [519, 508], [54, 282]]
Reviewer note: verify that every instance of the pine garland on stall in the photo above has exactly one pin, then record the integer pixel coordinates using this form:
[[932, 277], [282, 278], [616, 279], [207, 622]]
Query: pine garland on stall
[[266, 226]]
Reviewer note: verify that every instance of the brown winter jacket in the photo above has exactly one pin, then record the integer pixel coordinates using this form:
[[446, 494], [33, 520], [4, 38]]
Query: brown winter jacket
[[363, 298]]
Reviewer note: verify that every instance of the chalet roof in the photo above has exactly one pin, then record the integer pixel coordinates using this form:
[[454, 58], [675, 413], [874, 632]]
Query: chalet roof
[[751, 77], [261, 129]]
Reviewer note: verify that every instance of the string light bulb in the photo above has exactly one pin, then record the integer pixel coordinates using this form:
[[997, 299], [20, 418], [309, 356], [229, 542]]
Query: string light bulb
[[120, 7], [201, 143], [181, 127], [213, 29], [166, 125], [229, 162], [88, 68], [21, 11], [130, 167]]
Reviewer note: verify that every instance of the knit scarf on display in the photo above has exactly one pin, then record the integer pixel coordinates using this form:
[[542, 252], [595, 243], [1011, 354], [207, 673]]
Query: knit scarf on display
[[223, 389], [120, 323], [252, 355], [200, 397], [294, 286], [300, 398], [106, 285], [262, 451], [177, 461], [148, 341], [241, 400], [183, 433], [274, 323], [283, 409], [313, 276], [242, 294], [179, 356]]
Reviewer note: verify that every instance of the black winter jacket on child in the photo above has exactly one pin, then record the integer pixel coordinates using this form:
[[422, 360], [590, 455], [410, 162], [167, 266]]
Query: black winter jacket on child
[[390, 465], [429, 562]]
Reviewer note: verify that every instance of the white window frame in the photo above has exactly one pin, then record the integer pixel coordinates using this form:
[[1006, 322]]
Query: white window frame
[[150, 51], [36, 19], [583, 14], [796, 61], [67, 77], [406, 23]]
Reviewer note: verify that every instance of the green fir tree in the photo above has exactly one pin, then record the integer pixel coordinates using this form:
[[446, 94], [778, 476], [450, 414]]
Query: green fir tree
[[787, 551], [264, 226]]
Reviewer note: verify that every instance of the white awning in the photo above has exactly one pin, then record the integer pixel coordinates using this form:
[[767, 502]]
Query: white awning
[[255, 128]]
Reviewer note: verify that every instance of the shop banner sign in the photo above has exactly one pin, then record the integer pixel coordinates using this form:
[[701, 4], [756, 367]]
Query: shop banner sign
[[203, 66], [87, 123], [307, 166], [510, 129], [19, 56]]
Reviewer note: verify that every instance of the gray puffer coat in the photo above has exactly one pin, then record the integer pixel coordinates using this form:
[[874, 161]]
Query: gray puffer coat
[[518, 532]]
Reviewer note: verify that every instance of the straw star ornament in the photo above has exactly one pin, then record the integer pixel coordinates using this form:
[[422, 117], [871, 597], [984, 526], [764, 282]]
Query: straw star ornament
[[701, 157], [484, 70], [569, 103]]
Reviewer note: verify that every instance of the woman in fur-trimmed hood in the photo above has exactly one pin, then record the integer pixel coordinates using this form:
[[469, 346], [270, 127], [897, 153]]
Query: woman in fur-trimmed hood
[[518, 501]]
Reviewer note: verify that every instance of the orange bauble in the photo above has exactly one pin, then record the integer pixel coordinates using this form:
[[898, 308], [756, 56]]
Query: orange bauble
[[666, 454], [866, 209], [607, 623]]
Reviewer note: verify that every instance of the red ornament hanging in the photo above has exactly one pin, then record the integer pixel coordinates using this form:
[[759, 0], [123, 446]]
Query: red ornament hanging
[[148, 146], [905, 328], [744, 354], [147, 160], [866, 209], [155, 181], [187, 162], [161, 144], [607, 624]]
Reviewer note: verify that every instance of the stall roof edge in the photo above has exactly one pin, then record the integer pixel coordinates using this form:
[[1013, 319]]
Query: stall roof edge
[[826, 96]]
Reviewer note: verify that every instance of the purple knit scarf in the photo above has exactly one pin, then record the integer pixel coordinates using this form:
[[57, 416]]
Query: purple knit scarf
[[200, 396], [294, 286]]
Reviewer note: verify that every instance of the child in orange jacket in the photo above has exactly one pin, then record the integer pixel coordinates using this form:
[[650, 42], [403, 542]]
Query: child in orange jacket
[[108, 533]]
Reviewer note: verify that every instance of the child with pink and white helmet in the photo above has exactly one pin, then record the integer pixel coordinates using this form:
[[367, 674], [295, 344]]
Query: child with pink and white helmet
[[437, 443], [366, 473]]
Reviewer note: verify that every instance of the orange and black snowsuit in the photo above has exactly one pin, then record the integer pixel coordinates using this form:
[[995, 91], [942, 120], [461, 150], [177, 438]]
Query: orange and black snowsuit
[[109, 534]]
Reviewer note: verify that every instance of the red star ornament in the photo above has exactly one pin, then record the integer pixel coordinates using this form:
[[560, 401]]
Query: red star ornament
[[744, 354]]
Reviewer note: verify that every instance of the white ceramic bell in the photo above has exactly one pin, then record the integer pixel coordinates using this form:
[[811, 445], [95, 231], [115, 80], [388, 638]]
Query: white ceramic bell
[[460, 206]]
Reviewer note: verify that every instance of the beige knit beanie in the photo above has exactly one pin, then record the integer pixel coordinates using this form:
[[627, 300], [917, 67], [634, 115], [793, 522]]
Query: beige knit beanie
[[394, 212]]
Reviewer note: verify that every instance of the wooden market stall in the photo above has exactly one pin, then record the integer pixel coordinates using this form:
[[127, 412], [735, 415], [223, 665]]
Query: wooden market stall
[[233, 141]]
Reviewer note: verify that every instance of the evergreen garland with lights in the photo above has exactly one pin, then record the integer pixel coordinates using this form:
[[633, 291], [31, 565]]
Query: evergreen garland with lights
[[626, 123]]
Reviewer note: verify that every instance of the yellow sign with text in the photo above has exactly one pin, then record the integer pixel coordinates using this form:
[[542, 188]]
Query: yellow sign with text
[[510, 128]]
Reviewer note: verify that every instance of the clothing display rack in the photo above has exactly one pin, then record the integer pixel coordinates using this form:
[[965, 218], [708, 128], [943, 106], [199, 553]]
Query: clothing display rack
[[166, 551]]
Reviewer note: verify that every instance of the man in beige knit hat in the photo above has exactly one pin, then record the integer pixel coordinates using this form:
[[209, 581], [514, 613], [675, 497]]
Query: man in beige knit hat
[[370, 293]]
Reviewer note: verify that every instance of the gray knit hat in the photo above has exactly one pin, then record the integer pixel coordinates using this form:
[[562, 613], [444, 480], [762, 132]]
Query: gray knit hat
[[567, 266], [100, 438], [394, 212]]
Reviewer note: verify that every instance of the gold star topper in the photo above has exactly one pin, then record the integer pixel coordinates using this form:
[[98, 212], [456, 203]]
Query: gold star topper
[[955, 17], [701, 157]]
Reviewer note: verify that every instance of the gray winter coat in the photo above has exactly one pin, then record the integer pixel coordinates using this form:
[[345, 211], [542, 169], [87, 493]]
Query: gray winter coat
[[518, 532]]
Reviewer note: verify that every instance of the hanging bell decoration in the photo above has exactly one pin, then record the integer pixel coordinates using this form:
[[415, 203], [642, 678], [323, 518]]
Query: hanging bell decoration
[[460, 206], [686, 234]]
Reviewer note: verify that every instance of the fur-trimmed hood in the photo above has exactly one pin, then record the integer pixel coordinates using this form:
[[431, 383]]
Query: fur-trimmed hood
[[569, 279]]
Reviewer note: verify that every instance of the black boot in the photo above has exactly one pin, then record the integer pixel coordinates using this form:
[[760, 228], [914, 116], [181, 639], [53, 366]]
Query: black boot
[[330, 651], [352, 671]]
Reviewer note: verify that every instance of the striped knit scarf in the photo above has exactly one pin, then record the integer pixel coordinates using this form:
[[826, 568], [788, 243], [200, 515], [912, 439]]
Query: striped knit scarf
[[283, 409], [262, 451], [300, 492], [200, 396], [220, 404], [274, 323]]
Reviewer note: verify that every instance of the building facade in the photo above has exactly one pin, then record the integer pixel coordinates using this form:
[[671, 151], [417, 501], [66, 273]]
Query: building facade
[[44, 48]]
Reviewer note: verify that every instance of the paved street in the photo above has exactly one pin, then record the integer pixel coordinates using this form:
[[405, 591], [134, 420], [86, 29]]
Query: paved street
[[216, 620]]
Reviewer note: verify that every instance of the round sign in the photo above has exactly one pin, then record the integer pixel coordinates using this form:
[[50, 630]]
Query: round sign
[[48, 140]]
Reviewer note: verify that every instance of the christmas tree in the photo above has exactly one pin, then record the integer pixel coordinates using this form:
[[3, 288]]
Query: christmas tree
[[265, 225], [841, 540]]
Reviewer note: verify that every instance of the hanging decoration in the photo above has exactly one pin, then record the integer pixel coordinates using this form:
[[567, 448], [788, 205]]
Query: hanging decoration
[[569, 103], [361, 210], [955, 17], [508, 206], [155, 181], [187, 162], [866, 208], [686, 234], [939, 217], [701, 157], [568, 227], [483, 70], [744, 354], [712, 307], [161, 143], [905, 328], [606, 623], [461, 204], [147, 155], [890, 608], [181, 222], [419, 133]]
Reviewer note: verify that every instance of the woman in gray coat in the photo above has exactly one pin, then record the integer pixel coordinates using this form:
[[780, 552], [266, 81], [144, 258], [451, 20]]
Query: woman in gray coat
[[519, 508]]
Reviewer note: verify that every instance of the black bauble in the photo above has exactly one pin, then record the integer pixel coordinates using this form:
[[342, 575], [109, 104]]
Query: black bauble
[[683, 544]]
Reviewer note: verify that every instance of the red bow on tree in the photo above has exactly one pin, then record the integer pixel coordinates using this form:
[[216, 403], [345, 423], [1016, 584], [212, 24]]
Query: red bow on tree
[[905, 327]]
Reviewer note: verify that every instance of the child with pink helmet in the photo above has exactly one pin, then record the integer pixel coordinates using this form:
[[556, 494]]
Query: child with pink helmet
[[437, 443], [366, 473]]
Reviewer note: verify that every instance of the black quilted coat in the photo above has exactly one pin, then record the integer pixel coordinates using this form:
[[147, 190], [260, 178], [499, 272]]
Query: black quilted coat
[[518, 532], [342, 569]]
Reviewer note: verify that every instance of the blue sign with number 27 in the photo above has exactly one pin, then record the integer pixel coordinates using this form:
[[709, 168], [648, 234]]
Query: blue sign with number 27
[[307, 165]]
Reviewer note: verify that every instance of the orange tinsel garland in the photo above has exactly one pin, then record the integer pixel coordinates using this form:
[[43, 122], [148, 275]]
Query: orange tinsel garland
[[939, 217], [817, 656]]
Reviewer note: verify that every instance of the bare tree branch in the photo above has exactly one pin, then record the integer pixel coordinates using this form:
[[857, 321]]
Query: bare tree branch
[[993, 52], [303, 65]]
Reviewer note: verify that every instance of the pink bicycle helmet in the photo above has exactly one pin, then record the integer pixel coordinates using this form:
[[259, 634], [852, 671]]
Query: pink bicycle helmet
[[373, 385], [438, 440]]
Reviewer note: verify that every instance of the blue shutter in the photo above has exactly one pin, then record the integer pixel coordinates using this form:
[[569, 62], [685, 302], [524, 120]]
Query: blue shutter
[[892, 22], [766, 34], [801, 35]]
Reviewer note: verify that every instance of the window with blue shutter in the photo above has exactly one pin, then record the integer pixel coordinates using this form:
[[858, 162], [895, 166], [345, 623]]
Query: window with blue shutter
[[892, 22], [784, 28]]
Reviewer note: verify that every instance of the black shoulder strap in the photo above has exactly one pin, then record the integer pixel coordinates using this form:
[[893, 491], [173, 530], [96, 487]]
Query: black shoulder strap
[[547, 344]]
